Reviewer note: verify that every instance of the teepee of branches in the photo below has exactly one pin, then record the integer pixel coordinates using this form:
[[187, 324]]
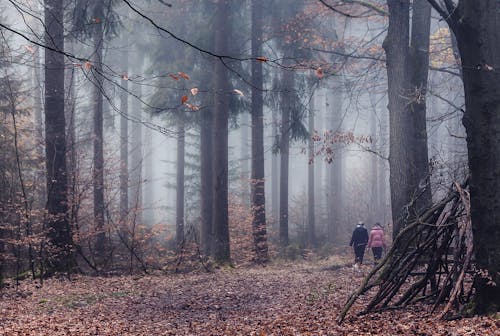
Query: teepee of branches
[[430, 259]]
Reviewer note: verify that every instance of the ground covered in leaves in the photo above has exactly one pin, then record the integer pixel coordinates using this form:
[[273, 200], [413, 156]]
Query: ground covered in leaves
[[285, 299]]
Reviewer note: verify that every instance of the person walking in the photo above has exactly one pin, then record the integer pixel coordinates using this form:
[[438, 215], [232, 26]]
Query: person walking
[[376, 242], [358, 242]]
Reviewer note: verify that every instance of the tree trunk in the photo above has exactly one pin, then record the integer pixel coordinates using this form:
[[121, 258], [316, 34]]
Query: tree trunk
[[135, 138], [275, 196], [374, 166], [148, 174], [258, 183], [181, 146], [40, 193], [98, 173], [476, 26], [206, 150], [221, 250], [334, 108], [419, 67], [60, 245], [401, 128], [311, 232], [245, 160], [71, 157], [286, 106], [124, 142]]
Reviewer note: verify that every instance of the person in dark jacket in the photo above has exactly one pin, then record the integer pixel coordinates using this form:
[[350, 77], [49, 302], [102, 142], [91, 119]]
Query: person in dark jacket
[[358, 242]]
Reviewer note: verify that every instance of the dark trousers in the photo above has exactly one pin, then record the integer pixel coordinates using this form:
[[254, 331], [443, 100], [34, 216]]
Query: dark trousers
[[359, 251], [377, 253]]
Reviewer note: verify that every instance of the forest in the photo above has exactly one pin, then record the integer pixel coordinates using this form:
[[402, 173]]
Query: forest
[[205, 167]]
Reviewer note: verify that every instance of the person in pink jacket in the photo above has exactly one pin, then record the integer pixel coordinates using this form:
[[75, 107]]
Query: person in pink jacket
[[376, 241]]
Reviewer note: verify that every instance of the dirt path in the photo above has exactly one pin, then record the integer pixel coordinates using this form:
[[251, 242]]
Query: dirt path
[[286, 300]]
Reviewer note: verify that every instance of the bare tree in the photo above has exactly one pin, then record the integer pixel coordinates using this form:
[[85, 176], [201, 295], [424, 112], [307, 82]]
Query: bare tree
[[258, 183], [476, 28], [221, 250], [60, 245]]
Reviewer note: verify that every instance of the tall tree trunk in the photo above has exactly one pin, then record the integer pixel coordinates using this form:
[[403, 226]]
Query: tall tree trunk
[[136, 157], [148, 174], [245, 160], [257, 182], [206, 150], [124, 140], [55, 141], [375, 210], [286, 106], [98, 173], [275, 196], [476, 25], [71, 159], [40, 193], [419, 67], [335, 208], [181, 146], [311, 231], [221, 250], [401, 128]]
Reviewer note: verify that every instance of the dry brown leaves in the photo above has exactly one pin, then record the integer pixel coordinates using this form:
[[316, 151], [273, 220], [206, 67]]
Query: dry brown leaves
[[277, 300]]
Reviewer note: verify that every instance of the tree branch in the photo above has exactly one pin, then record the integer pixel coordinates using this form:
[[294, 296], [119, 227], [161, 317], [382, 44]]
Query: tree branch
[[369, 5], [340, 12]]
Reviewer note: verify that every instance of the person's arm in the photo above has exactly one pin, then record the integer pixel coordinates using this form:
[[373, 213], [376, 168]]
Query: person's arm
[[370, 239], [352, 240]]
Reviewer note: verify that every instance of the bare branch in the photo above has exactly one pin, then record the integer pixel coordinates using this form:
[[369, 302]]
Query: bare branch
[[339, 11], [369, 5]]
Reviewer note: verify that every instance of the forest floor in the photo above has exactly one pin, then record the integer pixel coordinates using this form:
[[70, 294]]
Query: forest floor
[[281, 299]]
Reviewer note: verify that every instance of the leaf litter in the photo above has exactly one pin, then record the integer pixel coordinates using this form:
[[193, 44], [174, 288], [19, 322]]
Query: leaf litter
[[280, 299]]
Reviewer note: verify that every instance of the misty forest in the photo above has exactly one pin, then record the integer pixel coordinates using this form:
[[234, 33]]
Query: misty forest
[[250, 167]]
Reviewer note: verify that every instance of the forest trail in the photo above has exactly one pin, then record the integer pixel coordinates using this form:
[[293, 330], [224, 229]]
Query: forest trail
[[285, 299]]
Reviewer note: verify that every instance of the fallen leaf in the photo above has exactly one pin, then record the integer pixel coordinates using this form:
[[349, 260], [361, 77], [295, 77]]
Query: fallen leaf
[[319, 72], [30, 48], [192, 107], [183, 75]]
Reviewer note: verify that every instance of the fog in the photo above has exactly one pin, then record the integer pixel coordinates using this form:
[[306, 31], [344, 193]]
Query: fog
[[163, 58]]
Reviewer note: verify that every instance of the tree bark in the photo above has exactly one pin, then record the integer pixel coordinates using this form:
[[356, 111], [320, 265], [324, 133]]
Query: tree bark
[[206, 150], [476, 25], [401, 130], [136, 157], [311, 230], [181, 146], [221, 249], [419, 67], [149, 195], [286, 106], [124, 183], [98, 172], [275, 196], [60, 236], [335, 169], [258, 194]]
